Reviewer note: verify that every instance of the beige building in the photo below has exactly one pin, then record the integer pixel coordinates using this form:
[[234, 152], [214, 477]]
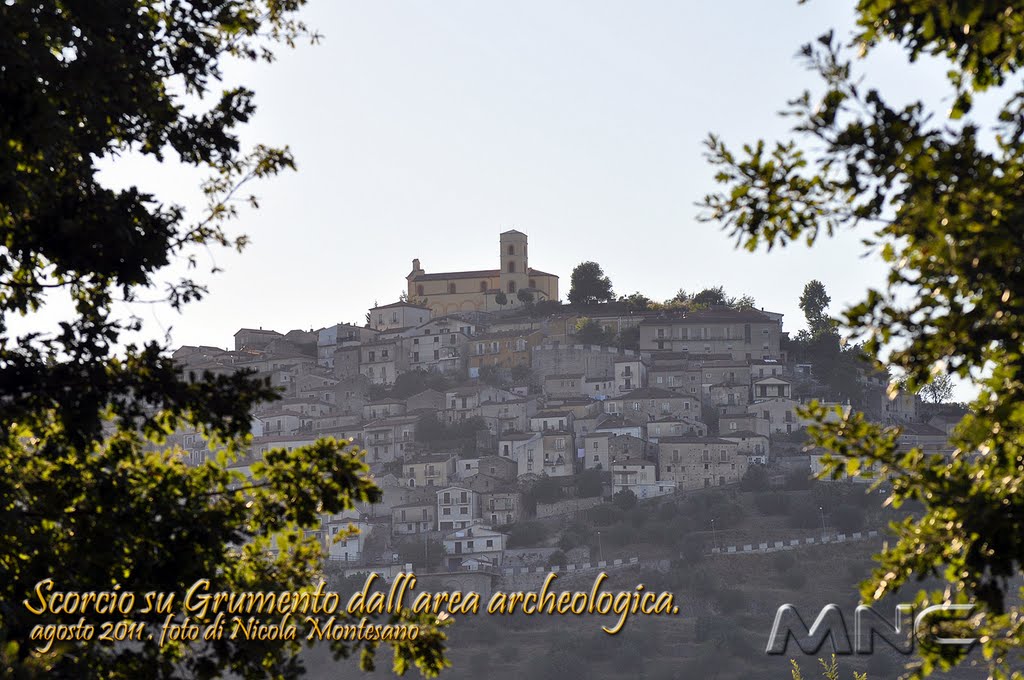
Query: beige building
[[651, 403], [699, 462], [479, 544], [388, 439], [744, 334], [457, 507], [437, 469], [475, 291], [398, 315], [639, 476], [414, 518], [559, 453]]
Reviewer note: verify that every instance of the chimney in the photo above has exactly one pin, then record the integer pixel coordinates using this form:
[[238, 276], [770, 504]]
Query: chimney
[[416, 265]]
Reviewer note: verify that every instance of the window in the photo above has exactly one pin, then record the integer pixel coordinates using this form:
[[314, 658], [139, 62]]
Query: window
[[446, 511], [533, 283], [419, 291], [511, 266], [463, 510], [447, 498], [451, 288], [483, 286], [511, 286], [511, 249], [490, 543]]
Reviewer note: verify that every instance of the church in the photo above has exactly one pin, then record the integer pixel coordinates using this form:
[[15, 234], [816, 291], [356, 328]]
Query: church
[[475, 291]]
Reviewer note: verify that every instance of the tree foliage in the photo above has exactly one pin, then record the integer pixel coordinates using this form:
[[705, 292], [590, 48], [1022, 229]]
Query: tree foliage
[[91, 494], [938, 390], [590, 332], [589, 285], [712, 296], [941, 203], [814, 301]]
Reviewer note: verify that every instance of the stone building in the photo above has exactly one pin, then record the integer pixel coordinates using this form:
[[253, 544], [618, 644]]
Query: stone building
[[475, 291]]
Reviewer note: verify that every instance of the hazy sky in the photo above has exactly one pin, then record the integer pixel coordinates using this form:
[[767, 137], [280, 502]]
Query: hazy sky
[[423, 129]]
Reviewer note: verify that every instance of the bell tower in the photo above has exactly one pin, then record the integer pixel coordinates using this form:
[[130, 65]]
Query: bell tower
[[514, 273]]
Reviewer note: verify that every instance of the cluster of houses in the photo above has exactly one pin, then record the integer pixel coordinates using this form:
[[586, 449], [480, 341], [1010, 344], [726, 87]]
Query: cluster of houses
[[701, 396]]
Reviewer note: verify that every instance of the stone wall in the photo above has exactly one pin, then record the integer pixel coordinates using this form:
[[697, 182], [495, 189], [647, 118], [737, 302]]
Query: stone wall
[[591, 360], [567, 506]]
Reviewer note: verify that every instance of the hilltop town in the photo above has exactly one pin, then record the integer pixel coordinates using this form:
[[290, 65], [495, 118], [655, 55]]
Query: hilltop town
[[483, 403]]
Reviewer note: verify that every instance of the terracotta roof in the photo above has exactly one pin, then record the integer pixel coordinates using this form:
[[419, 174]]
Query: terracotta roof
[[421, 504], [651, 393], [401, 304], [633, 461], [710, 315], [517, 436], [431, 458], [693, 440]]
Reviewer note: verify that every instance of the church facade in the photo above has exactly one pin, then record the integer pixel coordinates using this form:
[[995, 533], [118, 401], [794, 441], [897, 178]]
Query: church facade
[[477, 290]]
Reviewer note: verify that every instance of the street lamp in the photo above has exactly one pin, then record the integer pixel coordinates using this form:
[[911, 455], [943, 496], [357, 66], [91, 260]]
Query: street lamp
[[822, 511], [714, 534], [600, 553]]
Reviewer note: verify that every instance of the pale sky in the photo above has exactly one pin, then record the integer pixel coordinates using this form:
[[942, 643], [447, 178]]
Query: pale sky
[[422, 129]]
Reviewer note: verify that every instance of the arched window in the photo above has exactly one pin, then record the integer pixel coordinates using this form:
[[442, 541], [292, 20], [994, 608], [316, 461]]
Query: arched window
[[451, 288], [483, 286], [511, 250], [511, 265], [511, 286], [419, 291]]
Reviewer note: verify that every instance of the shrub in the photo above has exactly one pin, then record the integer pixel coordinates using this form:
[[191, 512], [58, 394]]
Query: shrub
[[638, 517], [754, 479], [693, 549], [567, 542], [589, 483], [625, 499], [605, 515], [804, 514], [557, 559], [547, 490], [667, 511], [620, 534], [527, 534], [848, 518], [799, 480], [771, 503]]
